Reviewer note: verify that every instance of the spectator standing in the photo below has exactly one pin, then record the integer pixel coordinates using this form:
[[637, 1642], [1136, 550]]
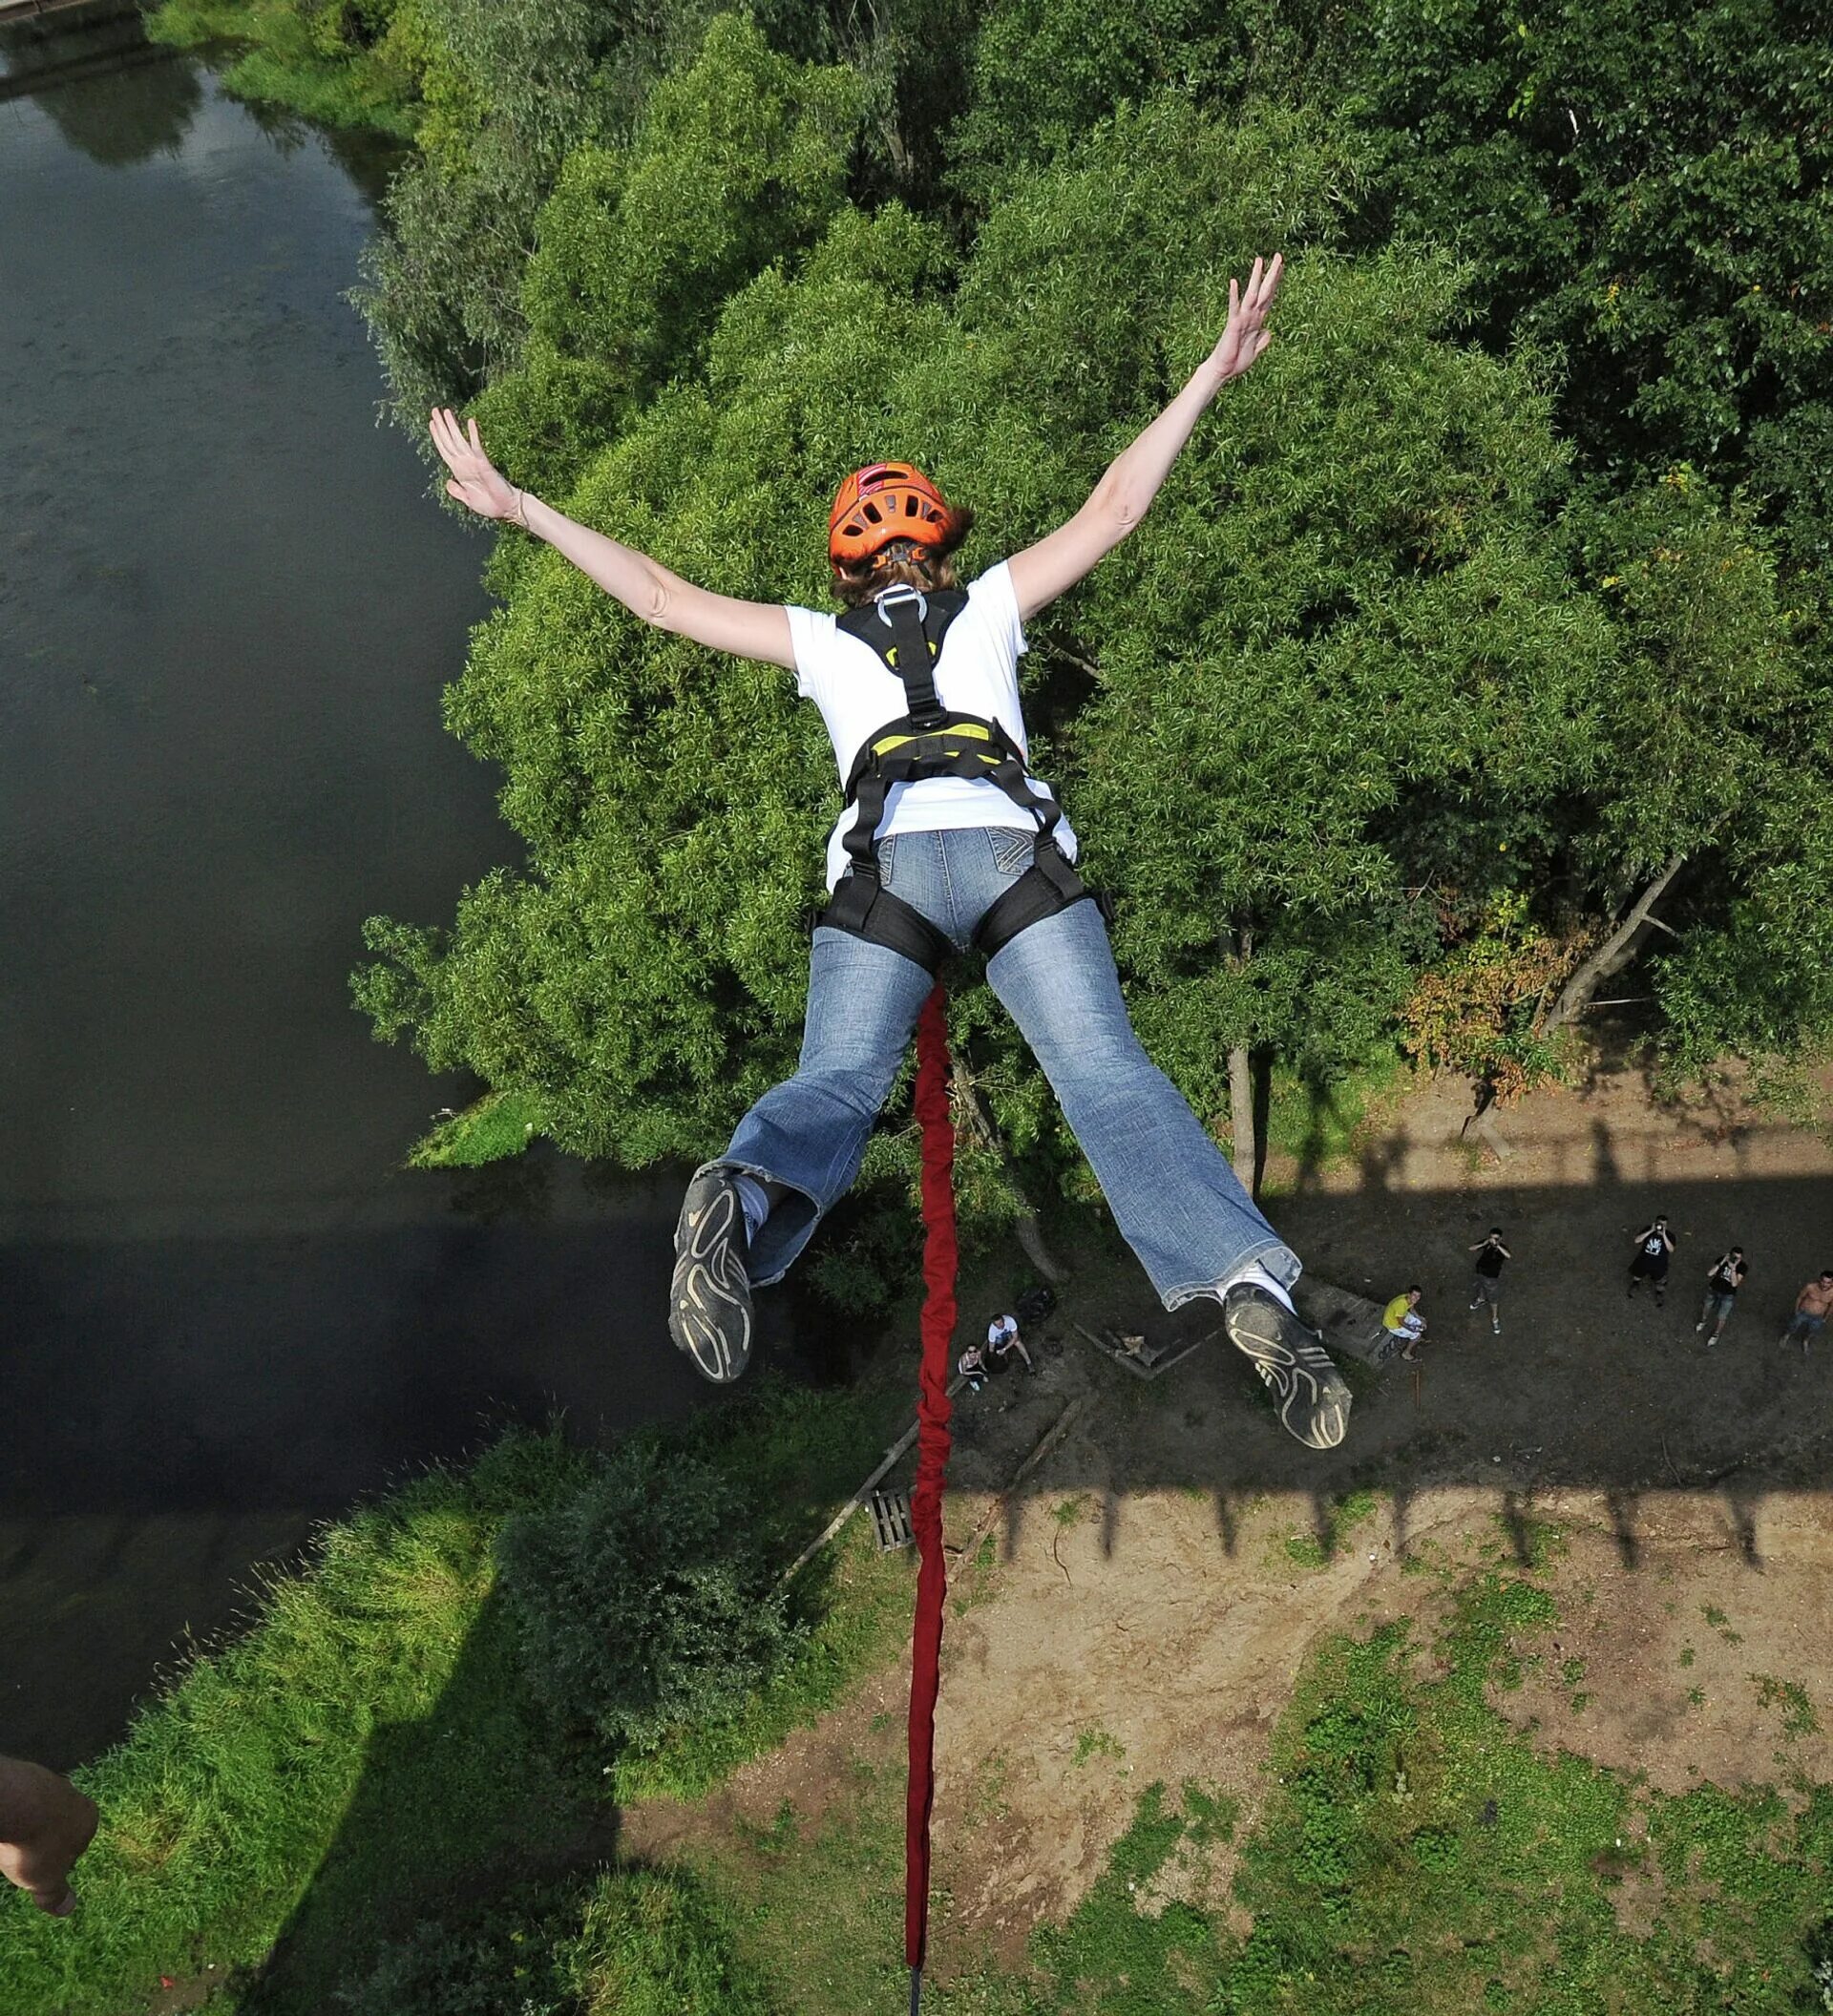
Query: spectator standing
[[1723, 1284], [1486, 1282], [1003, 1339], [1811, 1309], [1403, 1321], [1654, 1245]]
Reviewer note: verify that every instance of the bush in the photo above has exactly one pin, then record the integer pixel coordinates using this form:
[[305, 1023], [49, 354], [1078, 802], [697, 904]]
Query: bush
[[635, 1943], [499, 1963], [644, 1601]]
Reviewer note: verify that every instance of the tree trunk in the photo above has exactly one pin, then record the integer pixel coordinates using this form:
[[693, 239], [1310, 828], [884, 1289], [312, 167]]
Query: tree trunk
[[1611, 957], [1241, 1114], [981, 1125]]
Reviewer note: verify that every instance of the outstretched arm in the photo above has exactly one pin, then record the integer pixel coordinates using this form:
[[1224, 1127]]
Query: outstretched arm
[[644, 587], [1057, 562]]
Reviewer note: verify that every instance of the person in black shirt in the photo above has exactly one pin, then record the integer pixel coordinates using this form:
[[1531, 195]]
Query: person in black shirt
[[1485, 1284], [1723, 1284], [1652, 1244]]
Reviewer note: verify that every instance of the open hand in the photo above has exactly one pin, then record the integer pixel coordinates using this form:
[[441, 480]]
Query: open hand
[[1246, 335], [476, 480]]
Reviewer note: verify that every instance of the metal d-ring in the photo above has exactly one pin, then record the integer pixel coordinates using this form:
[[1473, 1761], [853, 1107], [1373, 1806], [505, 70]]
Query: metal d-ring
[[902, 592]]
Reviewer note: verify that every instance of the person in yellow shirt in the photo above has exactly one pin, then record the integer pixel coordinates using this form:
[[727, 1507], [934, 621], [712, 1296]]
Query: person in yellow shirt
[[1403, 1321]]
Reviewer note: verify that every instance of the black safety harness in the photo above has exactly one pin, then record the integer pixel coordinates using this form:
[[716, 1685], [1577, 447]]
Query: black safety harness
[[906, 629]]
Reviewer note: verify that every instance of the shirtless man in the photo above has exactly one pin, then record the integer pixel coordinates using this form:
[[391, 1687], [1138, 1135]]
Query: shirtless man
[[1812, 1307]]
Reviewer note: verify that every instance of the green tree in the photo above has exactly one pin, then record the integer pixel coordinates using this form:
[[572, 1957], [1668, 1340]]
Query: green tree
[[1647, 189], [640, 1602], [741, 161]]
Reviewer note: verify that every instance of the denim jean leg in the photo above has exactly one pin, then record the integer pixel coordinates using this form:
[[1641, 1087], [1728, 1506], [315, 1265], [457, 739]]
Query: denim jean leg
[[809, 1132], [1174, 1196]]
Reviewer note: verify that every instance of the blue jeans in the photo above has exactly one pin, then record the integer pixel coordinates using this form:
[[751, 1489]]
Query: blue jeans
[[1176, 1200]]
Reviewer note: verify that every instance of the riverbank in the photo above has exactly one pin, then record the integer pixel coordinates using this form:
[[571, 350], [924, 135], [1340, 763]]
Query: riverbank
[[373, 1746]]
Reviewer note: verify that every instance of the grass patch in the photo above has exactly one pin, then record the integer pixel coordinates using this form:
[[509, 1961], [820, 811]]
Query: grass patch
[[1420, 1857], [1314, 1127], [1093, 1743], [490, 1130], [1798, 1719], [1341, 1517], [296, 60], [224, 1801]]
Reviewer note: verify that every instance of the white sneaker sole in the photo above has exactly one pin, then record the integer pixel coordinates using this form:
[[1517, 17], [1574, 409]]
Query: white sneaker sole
[[709, 1297], [1308, 1390]]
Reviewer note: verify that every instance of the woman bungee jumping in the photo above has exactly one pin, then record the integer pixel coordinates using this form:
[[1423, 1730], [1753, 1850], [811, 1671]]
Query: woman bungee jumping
[[947, 841]]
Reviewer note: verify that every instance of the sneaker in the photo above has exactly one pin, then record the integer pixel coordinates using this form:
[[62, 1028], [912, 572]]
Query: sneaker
[[1308, 1390], [709, 1299], [1496, 1327]]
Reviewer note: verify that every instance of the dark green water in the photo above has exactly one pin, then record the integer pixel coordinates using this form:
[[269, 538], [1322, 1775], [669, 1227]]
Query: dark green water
[[227, 608]]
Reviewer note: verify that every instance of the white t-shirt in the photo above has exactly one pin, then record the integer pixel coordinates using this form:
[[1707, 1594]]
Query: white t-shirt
[[1001, 1328], [977, 673]]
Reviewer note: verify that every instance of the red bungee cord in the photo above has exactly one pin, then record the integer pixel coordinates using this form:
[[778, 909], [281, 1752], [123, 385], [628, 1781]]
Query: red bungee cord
[[932, 1463]]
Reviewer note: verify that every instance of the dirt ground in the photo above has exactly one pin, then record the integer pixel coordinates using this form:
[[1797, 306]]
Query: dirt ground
[[1144, 1619]]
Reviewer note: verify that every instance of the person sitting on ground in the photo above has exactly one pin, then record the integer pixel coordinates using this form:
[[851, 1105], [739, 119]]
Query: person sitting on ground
[[1724, 1280], [1403, 1321], [1003, 1339], [1486, 1282], [44, 1826], [947, 840], [1652, 1244], [1812, 1307], [972, 1367]]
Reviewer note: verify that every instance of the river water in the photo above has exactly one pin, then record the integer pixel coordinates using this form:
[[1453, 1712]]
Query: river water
[[227, 607]]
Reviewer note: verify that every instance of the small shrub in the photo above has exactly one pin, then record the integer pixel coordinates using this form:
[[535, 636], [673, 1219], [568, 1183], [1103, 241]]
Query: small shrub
[[499, 1964], [642, 1603], [651, 1945]]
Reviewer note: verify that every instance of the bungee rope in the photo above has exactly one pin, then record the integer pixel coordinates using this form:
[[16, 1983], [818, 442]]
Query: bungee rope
[[933, 1440]]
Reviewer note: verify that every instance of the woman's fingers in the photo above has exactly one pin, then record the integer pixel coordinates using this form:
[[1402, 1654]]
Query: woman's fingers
[[444, 438]]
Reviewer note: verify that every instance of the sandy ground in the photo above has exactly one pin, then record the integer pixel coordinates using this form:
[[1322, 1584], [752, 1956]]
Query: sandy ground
[[1143, 1620]]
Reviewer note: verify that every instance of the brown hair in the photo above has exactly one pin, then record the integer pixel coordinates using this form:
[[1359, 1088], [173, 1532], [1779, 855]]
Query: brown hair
[[903, 564]]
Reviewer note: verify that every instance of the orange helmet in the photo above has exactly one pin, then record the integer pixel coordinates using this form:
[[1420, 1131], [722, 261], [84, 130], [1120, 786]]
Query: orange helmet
[[889, 500]]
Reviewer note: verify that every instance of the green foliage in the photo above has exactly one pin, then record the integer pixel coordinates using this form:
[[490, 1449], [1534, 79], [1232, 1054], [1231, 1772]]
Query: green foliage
[[221, 1803], [642, 1602], [650, 1944], [1799, 1717], [1093, 1743], [1643, 189], [496, 1126], [632, 1943], [1044, 72], [740, 161], [340, 62], [361, 1767]]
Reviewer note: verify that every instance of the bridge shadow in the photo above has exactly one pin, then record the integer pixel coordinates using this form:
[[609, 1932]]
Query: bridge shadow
[[1583, 1390], [178, 1409], [452, 1811]]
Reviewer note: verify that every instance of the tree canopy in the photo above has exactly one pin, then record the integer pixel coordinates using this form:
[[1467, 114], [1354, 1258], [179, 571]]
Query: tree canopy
[[1476, 645]]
